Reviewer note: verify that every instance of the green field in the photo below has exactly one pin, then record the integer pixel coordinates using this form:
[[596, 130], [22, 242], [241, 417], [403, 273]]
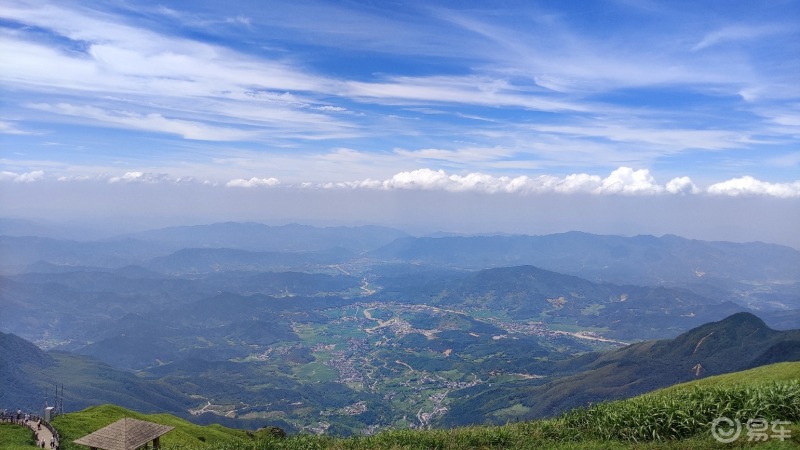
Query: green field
[[16, 437], [772, 392]]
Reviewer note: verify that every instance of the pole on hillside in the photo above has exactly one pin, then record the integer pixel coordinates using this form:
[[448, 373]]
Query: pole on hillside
[[59, 402]]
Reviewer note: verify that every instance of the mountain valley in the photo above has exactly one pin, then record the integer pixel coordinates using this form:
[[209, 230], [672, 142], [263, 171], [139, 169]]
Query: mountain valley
[[349, 330]]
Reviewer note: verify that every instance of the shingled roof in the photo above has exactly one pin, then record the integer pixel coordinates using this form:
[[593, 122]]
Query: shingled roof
[[124, 434]]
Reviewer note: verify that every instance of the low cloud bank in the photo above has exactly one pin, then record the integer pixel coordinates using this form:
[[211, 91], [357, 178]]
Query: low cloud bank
[[253, 182], [622, 181], [27, 177]]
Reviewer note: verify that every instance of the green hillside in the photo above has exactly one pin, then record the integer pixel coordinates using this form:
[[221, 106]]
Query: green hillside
[[27, 373], [772, 392], [75, 425], [778, 373], [13, 437], [735, 343]]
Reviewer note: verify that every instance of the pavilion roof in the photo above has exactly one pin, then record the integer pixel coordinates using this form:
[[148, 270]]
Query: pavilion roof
[[124, 434]]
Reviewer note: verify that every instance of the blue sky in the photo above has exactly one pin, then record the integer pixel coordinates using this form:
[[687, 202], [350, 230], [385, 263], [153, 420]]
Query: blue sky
[[618, 98]]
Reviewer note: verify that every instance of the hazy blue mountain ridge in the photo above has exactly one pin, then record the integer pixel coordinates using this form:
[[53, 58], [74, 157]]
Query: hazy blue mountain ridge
[[530, 293], [652, 260], [206, 260], [259, 237], [18, 252], [756, 275]]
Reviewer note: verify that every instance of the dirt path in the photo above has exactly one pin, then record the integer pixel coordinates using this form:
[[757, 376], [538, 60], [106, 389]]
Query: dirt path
[[43, 434]]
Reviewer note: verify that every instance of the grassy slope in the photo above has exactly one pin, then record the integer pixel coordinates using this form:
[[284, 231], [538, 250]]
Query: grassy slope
[[554, 433], [75, 425], [15, 437], [778, 372]]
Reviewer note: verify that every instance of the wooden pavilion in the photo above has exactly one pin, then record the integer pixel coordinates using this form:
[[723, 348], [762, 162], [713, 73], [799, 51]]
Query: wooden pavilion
[[125, 434]]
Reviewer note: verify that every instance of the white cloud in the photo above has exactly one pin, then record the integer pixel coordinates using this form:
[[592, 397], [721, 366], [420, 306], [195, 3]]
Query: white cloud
[[624, 181], [681, 185], [120, 57], [563, 58], [203, 90], [253, 182], [578, 182], [329, 108], [748, 185], [792, 120], [64, 178], [462, 155], [147, 178], [27, 177], [664, 138], [736, 33], [153, 122], [30, 176], [787, 160], [12, 128], [472, 90], [163, 83], [628, 181], [239, 20], [141, 177], [419, 179], [347, 155]]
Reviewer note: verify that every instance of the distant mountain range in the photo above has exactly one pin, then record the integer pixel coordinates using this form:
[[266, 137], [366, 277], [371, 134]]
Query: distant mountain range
[[17, 251], [757, 275], [616, 259], [529, 293], [260, 237]]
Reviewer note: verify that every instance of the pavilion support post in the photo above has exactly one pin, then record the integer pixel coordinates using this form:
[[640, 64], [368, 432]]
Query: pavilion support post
[[157, 443]]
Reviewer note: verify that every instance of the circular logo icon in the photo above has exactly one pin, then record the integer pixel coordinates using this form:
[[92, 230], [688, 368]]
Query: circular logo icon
[[726, 430]]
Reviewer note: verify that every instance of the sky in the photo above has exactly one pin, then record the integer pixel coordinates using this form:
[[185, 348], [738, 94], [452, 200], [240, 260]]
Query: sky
[[616, 116]]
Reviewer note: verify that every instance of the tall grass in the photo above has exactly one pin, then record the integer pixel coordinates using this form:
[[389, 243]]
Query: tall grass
[[16, 437], [517, 436], [685, 413]]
